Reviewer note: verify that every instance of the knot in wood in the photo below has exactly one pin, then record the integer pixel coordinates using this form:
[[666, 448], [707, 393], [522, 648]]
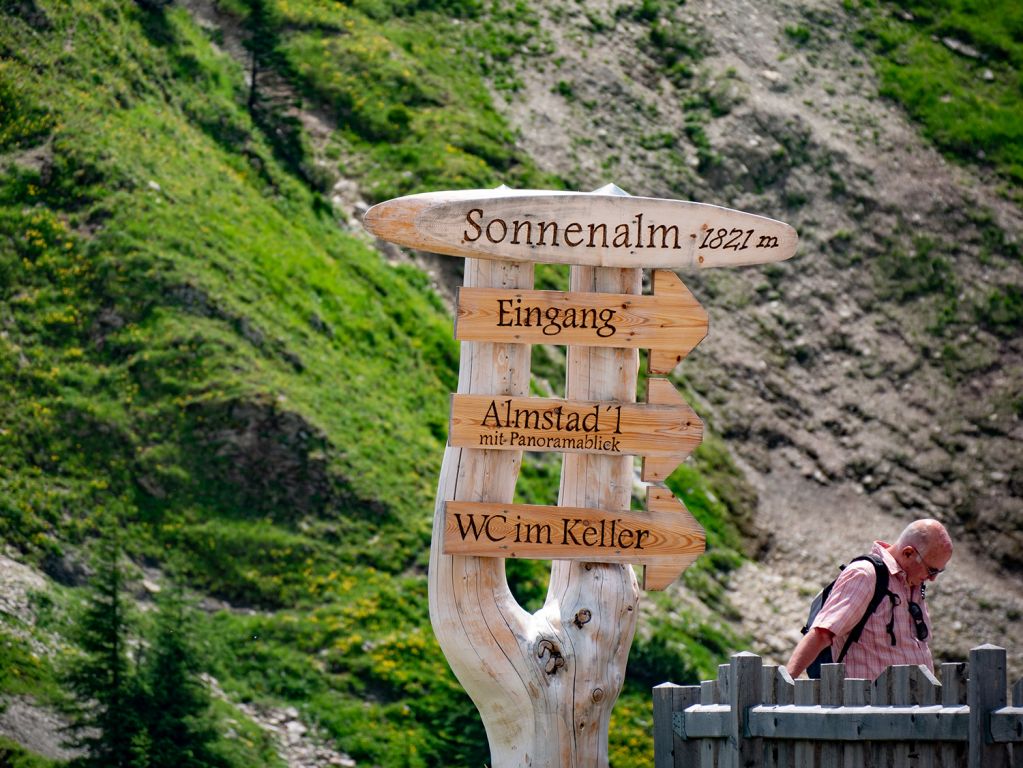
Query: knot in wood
[[582, 617], [597, 695], [554, 660]]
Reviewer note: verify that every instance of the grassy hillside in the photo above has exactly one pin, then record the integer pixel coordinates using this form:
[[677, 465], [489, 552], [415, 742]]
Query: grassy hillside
[[955, 67], [193, 349]]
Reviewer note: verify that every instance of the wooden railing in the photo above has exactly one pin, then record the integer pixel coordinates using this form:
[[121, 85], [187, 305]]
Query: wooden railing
[[753, 715]]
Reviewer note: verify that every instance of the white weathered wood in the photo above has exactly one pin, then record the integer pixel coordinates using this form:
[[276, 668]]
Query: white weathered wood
[[544, 684], [986, 693], [592, 230], [670, 323], [597, 650], [488, 640]]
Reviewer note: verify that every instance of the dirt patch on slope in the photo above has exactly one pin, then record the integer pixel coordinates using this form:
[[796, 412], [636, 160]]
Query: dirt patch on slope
[[851, 409]]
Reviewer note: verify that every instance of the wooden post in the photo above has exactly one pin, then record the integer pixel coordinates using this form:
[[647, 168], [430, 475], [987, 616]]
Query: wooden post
[[491, 643], [986, 692], [670, 749], [784, 693], [746, 692]]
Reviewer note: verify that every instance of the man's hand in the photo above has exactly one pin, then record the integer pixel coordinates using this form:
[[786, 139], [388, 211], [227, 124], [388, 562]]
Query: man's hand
[[813, 642]]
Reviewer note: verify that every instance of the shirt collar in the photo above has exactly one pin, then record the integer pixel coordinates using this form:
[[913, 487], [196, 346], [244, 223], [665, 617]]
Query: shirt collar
[[880, 549]]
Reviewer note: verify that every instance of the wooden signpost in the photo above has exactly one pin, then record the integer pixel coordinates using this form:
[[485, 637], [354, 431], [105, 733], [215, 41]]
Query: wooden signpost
[[545, 683]]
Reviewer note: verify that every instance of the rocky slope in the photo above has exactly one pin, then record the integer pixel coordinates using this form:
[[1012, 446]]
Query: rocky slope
[[853, 405]]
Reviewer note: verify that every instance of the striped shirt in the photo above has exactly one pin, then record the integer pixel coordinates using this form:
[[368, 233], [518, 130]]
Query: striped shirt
[[847, 603]]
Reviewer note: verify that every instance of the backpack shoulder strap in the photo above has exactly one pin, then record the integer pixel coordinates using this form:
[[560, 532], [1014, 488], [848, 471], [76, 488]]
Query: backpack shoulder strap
[[880, 590]]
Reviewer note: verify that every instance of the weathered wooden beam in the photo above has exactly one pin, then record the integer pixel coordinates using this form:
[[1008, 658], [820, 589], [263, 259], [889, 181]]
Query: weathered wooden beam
[[852, 723], [703, 721], [1007, 725]]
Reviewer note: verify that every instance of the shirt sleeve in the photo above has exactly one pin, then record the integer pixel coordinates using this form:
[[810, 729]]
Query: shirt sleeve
[[848, 600]]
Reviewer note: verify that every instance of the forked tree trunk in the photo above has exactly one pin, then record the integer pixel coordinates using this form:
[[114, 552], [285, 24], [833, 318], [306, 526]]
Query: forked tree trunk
[[544, 683]]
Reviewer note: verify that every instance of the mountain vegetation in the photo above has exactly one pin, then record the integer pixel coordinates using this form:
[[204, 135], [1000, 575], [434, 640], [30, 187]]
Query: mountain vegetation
[[219, 392]]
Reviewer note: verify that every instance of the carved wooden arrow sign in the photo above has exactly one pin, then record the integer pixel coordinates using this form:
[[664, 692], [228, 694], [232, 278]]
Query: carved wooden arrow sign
[[670, 323], [588, 229], [666, 538], [666, 432]]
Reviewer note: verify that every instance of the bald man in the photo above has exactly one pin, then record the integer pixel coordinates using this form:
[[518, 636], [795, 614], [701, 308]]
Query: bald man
[[898, 630]]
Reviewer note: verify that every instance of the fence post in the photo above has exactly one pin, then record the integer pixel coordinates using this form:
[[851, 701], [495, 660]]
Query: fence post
[[670, 749], [745, 692], [986, 691]]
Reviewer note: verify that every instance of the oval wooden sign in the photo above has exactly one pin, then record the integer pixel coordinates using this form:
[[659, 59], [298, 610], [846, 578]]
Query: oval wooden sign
[[588, 229]]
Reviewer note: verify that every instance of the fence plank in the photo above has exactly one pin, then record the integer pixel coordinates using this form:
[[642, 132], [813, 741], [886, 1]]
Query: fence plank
[[856, 694], [986, 692], [709, 694], [745, 679], [670, 749], [953, 692], [664, 735], [832, 694], [1017, 748], [784, 693], [901, 696], [807, 693], [881, 696], [925, 690]]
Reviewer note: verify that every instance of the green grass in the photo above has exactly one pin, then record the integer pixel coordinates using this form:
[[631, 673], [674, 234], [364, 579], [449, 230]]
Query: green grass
[[191, 345], [969, 107]]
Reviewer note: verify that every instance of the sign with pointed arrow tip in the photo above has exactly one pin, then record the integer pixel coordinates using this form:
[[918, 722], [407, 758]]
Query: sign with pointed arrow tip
[[665, 539], [657, 467], [665, 432], [659, 572], [588, 229], [670, 323]]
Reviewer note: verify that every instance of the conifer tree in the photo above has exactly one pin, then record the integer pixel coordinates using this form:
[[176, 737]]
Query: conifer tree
[[261, 43], [176, 702], [105, 720]]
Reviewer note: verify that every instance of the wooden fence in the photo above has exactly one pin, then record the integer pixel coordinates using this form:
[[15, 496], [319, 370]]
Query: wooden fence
[[753, 715]]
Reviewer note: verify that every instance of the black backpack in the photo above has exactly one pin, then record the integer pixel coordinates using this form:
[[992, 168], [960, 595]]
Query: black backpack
[[880, 591]]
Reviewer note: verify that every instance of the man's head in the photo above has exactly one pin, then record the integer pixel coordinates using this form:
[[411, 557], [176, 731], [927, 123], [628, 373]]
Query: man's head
[[923, 550]]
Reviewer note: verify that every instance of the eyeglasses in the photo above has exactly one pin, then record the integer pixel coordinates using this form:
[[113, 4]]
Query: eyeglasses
[[932, 573], [917, 614]]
